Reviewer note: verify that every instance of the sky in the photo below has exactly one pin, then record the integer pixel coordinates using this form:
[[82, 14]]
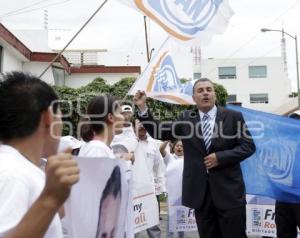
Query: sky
[[120, 29]]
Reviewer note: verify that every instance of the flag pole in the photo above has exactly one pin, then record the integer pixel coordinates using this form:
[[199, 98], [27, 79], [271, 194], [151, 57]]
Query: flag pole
[[146, 38], [73, 38]]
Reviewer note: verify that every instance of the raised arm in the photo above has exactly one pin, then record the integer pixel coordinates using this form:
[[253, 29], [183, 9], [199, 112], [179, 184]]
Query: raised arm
[[61, 173], [157, 129]]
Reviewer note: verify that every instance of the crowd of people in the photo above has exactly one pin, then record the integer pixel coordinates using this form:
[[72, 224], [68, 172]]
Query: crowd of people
[[38, 167]]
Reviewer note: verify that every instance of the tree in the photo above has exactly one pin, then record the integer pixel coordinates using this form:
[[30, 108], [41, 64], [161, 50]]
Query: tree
[[75, 101]]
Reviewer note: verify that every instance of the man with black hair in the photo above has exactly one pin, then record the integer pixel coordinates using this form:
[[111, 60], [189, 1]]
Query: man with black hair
[[30, 127], [215, 141]]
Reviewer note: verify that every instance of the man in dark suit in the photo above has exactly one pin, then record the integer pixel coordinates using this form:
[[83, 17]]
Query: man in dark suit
[[215, 141]]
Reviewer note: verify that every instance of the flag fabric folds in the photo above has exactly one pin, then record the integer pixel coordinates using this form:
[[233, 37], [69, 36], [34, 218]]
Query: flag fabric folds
[[274, 169], [168, 76], [186, 20]]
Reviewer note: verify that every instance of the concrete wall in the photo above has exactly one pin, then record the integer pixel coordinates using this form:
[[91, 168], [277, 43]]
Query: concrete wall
[[10, 61], [36, 68]]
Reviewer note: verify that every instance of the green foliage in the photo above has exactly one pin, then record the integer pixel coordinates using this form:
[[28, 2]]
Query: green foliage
[[75, 101], [221, 94], [121, 88]]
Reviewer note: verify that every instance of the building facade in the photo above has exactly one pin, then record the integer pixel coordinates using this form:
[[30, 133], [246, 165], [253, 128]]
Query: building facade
[[15, 55], [258, 83]]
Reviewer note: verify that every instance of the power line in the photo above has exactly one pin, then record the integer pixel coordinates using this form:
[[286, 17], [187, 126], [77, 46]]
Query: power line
[[23, 8], [73, 38], [34, 9], [255, 36]]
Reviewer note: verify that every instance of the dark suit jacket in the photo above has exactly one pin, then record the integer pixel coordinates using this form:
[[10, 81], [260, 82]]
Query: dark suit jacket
[[231, 142]]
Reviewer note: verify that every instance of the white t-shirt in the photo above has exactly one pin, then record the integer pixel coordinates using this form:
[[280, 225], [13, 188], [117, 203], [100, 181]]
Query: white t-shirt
[[21, 183], [154, 162], [126, 138], [96, 148]]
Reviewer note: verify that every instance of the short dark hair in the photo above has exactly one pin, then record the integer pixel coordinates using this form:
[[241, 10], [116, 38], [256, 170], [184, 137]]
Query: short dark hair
[[97, 111], [202, 80], [23, 98]]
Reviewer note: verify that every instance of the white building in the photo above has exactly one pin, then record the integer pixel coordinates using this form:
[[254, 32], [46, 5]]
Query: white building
[[258, 83], [15, 55]]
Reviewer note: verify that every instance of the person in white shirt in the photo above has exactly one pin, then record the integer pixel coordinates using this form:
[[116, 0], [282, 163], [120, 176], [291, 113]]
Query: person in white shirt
[[127, 137], [176, 159], [103, 121], [153, 158], [30, 127]]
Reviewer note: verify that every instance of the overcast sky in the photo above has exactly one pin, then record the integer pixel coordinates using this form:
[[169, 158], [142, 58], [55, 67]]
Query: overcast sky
[[120, 29]]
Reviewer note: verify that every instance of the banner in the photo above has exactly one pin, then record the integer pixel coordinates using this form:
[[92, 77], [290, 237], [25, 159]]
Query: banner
[[261, 216], [145, 205], [275, 166], [180, 218], [186, 20], [168, 76], [98, 203]]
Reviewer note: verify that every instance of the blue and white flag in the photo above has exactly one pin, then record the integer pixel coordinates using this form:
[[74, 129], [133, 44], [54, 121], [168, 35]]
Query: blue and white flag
[[168, 76], [274, 169], [186, 20]]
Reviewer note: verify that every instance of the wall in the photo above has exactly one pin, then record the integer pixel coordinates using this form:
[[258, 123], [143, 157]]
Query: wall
[[36, 68], [277, 84], [10, 61]]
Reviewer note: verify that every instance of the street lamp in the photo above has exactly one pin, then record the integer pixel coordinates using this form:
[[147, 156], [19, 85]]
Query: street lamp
[[297, 63]]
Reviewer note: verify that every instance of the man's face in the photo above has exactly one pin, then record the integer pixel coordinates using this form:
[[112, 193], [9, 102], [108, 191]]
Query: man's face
[[118, 121], [204, 96], [127, 116], [140, 130]]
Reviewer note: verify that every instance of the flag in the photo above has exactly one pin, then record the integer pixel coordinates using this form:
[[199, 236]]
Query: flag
[[168, 76], [274, 169], [186, 20]]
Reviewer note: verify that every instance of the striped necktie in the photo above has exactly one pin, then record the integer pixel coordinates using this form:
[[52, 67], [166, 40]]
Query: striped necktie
[[207, 133]]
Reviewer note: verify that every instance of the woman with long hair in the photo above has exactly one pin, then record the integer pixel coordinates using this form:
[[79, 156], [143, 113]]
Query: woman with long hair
[[102, 122]]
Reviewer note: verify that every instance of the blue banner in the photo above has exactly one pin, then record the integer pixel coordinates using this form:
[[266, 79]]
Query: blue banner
[[274, 169]]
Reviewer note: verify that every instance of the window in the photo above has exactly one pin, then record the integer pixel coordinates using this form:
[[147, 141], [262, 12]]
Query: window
[[231, 98], [259, 98], [197, 75], [1, 58], [257, 71], [227, 72], [59, 76]]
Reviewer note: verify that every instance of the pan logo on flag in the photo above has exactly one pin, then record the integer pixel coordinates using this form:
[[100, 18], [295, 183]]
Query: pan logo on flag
[[166, 77], [277, 161], [181, 18]]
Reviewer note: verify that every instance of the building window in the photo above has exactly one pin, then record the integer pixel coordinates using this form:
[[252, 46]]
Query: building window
[[59, 76], [197, 75], [257, 71], [227, 72], [259, 98], [1, 58], [231, 98]]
